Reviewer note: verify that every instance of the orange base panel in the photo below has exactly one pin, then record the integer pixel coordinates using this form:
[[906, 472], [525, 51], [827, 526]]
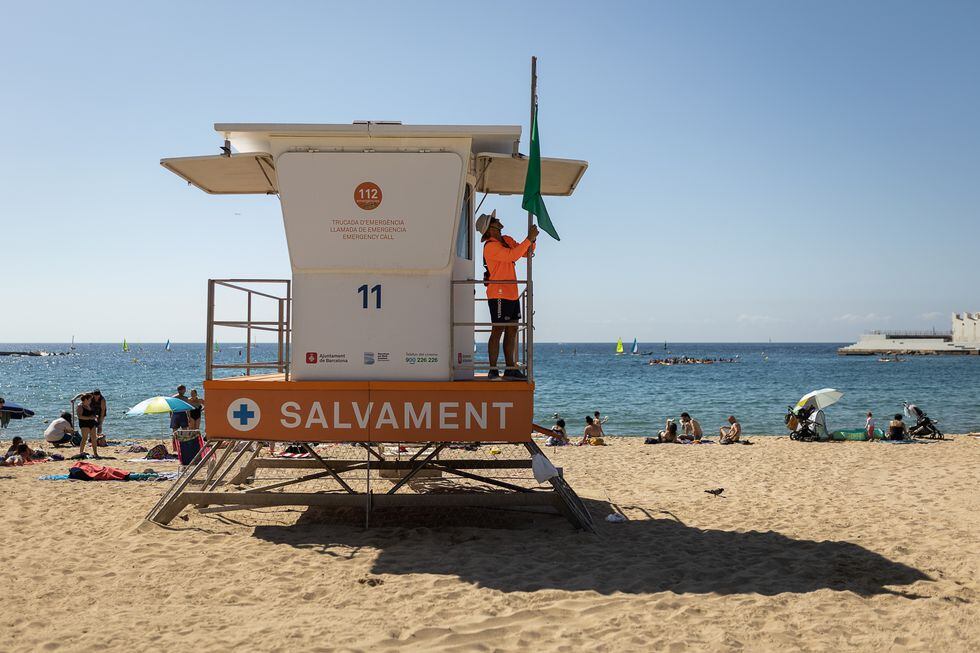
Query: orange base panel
[[272, 409]]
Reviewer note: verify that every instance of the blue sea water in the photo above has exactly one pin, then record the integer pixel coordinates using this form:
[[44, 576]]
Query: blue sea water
[[572, 379]]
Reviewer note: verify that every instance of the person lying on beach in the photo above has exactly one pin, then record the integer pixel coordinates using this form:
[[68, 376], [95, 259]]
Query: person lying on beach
[[690, 428], [730, 434], [60, 431], [22, 456], [669, 434], [897, 429]]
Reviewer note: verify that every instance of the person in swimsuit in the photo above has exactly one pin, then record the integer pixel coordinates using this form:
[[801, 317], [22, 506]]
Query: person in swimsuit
[[560, 437], [691, 428], [869, 427], [88, 423], [590, 433], [194, 417], [178, 419], [101, 408], [730, 434], [897, 429]]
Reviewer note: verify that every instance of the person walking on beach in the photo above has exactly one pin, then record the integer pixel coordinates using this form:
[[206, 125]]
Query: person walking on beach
[[691, 428], [88, 424], [730, 434], [194, 417], [500, 254], [178, 419]]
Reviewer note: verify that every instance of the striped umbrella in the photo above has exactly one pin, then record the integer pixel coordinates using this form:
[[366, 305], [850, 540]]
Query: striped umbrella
[[160, 405]]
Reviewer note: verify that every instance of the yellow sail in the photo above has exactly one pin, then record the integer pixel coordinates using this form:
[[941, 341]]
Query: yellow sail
[[619, 346], [125, 345]]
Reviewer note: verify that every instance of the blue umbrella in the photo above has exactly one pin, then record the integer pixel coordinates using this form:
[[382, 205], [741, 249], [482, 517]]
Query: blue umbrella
[[13, 411]]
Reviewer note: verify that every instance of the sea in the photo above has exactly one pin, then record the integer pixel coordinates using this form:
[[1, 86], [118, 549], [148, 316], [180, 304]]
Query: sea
[[572, 380]]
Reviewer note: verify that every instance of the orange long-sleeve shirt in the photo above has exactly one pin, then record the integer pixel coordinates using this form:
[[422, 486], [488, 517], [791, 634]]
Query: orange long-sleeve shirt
[[500, 260]]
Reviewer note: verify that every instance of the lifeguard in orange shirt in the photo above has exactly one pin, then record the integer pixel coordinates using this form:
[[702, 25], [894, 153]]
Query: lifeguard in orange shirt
[[500, 254]]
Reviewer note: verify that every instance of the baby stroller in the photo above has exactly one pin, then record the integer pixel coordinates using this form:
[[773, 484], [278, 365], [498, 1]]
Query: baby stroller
[[925, 427], [799, 423]]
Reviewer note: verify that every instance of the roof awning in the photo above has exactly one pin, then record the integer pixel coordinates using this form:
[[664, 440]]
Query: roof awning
[[503, 174], [238, 174]]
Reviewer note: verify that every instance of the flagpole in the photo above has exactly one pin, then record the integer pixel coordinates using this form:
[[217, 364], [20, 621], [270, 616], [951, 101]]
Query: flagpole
[[529, 288]]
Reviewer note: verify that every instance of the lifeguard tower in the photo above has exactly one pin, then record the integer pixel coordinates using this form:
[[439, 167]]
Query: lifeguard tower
[[375, 330]]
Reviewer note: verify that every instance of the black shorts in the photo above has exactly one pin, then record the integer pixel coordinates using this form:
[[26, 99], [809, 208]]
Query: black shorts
[[178, 420], [503, 311]]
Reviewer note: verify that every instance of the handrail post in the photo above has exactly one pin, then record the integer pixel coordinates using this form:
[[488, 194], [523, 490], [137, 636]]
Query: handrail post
[[209, 353], [248, 337], [289, 328], [452, 332], [279, 338]]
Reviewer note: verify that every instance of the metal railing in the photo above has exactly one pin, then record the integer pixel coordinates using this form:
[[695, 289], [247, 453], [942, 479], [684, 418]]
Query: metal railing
[[281, 326], [525, 330], [926, 333]]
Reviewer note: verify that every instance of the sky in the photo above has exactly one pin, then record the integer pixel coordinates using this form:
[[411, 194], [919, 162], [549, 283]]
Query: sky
[[784, 170]]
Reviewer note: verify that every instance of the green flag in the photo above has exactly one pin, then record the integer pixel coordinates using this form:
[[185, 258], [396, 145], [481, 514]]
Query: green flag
[[533, 201]]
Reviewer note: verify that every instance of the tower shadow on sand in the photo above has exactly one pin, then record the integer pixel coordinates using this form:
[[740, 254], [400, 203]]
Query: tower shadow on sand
[[514, 552]]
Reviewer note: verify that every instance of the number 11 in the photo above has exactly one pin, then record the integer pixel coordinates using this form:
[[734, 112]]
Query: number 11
[[364, 295]]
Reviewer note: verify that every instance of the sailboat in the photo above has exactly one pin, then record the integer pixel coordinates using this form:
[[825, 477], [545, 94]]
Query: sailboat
[[167, 348], [216, 348], [125, 345], [619, 347], [72, 348], [635, 351]]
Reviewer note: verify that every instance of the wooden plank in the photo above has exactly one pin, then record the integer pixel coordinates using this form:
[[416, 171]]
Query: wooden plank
[[310, 463], [460, 499]]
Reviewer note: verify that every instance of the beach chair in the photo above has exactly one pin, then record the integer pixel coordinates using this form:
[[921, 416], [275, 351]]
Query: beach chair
[[187, 445]]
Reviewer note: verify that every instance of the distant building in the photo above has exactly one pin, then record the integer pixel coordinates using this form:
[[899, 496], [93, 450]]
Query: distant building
[[965, 328], [962, 338]]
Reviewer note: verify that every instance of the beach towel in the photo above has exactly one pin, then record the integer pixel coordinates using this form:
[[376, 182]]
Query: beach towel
[[89, 472], [134, 476]]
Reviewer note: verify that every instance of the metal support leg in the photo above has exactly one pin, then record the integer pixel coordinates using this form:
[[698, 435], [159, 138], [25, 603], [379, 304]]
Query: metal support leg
[[234, 462], [326, 466], [415, 470], [179, 487]]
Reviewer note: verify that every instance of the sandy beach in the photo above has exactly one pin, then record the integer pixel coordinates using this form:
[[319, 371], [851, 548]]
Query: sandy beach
[[844, 546]]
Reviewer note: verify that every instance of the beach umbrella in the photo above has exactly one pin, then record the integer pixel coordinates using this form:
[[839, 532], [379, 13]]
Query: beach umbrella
[[160, 405], [820, 399], [13, 411]]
